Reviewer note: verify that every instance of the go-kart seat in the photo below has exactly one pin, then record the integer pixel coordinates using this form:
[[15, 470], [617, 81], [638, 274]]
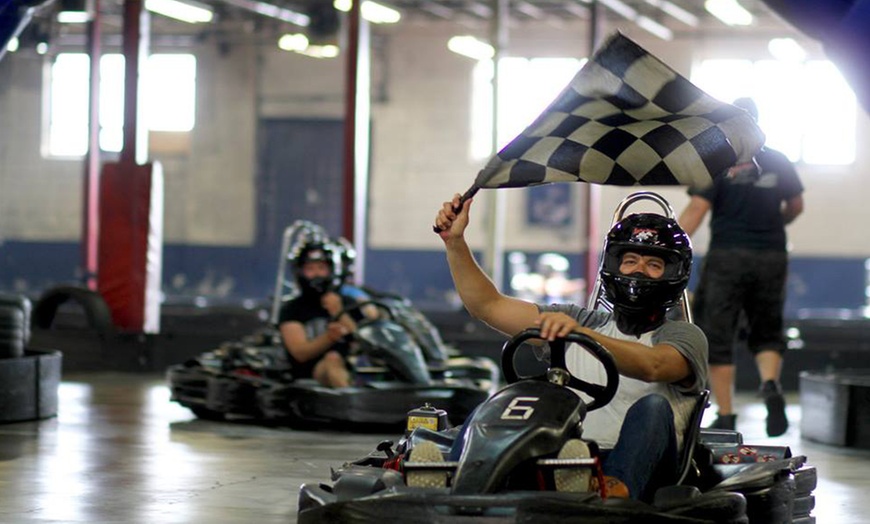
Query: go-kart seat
[[692, 436]]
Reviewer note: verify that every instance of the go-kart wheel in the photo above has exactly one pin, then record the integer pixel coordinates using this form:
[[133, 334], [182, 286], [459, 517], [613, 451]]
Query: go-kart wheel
[[601, 394]]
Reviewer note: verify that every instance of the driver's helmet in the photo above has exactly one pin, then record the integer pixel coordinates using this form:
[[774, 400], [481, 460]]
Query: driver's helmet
[[313, 251], [646, 234]]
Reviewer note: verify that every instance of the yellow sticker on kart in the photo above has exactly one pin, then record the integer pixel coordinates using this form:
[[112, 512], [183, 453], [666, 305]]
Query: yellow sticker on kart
[[422, 422]]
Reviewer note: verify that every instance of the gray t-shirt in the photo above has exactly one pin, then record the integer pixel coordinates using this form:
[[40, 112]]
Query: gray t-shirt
[[603, 425]]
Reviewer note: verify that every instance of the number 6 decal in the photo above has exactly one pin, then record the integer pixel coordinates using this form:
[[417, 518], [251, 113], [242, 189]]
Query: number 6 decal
[[519, 408]]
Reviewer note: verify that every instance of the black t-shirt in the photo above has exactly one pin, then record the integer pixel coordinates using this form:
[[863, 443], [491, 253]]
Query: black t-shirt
[[746, 212], [306, 309]]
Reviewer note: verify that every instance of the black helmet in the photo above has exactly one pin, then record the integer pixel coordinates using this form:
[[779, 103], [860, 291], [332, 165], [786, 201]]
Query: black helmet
[[313, 251], [646, 234]]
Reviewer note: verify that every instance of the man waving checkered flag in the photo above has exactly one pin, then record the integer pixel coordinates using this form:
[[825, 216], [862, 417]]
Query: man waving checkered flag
[[627, 119]]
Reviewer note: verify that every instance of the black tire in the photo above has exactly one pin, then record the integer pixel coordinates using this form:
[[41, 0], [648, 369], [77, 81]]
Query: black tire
[[11, 332], [771, 505], [805, 480], [11, 349], [23, 304], [208, 414], [804, 520], [11, 317], [723, 507], [96, 310], [803, 506]]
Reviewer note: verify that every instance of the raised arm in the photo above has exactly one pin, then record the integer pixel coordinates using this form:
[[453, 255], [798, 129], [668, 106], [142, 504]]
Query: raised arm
[[478, 293], [693, 214]]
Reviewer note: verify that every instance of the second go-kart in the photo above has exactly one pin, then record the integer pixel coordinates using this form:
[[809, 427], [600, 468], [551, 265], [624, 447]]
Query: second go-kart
[[393, 376], [512, 466], [398, 360]]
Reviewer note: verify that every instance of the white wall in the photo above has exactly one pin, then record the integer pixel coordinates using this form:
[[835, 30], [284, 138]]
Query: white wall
[[420, 145]]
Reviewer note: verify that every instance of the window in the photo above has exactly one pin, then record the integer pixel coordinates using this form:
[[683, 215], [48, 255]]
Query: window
[[806, 109], [526, 87], [168, 98]]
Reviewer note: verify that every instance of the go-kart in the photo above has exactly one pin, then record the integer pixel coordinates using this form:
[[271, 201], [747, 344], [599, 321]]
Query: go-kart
[[398, 362], [510, 460]]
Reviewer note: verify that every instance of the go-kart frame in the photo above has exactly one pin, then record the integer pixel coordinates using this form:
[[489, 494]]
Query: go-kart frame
[[400, 363], [512, 477]]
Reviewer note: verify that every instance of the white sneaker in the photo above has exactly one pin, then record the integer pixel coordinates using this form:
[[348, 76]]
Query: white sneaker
[[426, 452], [573, 479]]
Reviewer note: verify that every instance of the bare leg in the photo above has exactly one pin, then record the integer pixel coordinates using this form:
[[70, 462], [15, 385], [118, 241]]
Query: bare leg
[[722, 386], [769, 365], [331, 371]]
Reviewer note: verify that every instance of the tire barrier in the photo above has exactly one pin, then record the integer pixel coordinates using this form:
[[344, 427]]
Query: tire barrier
[[96, 311], [28, 378], [836, 407], [14, 325], [29, 386]]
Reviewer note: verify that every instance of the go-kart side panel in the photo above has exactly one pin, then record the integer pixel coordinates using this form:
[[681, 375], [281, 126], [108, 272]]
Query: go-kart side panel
[[524, 420], [195, 387], [385, 404], [317, 505]]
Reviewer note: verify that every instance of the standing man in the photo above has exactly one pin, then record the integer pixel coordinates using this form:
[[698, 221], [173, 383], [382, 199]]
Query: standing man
[[745, 271]]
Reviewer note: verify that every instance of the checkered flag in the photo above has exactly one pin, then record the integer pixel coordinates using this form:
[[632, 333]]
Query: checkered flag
[[626, 119]]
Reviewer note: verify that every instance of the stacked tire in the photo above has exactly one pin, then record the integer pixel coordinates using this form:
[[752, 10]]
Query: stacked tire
[[29, 377], [14, 325], [805, 480]]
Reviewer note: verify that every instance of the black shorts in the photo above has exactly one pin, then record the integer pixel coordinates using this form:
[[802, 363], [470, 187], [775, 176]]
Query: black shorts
[[735, 281]]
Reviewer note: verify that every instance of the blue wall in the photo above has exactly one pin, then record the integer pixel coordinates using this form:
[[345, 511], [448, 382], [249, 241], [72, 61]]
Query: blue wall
[[232, 274]]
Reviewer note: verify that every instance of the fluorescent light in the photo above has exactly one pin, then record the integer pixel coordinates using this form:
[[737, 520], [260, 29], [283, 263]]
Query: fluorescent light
[[471, 47], [12, 46], [185, 11], [321, 51], [73, 17], [644, 22], [372, 11], [675, 11], [651, 26], [293, 42], [729, 11], [620, 8], [272, 11], [786, 50]]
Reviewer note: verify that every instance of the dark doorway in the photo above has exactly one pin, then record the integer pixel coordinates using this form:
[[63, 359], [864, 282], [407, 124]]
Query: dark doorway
[[299, 177]]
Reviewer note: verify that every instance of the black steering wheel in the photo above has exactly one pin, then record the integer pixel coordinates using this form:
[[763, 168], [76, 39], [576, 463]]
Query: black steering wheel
[[601, 394]]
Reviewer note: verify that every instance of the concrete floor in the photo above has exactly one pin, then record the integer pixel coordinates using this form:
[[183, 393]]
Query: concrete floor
[[120, 452]]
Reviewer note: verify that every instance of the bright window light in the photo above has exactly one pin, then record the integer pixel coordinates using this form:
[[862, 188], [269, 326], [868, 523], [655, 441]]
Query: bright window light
[[168, 98], [806, 109], [169, 89], [526, 88]]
